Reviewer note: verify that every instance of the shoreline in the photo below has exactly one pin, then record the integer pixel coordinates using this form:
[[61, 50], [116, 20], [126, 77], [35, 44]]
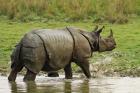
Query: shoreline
[[95, 73]]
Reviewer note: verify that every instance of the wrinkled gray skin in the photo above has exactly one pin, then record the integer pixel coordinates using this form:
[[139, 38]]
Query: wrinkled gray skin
[[53, 49]]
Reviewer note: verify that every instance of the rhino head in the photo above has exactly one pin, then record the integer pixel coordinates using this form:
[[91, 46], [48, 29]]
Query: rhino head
[[102, 44]]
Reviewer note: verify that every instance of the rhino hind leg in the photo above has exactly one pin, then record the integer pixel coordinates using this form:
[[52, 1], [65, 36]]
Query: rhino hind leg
[[68, 71], [13, 74], [30, 76], [84, 65]]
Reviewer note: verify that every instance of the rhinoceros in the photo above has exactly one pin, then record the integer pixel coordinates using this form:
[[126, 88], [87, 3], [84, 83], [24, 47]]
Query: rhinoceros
[[55, 49]]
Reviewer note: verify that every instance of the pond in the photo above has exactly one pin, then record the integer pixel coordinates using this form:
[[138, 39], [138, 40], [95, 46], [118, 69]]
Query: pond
[[76, 85]]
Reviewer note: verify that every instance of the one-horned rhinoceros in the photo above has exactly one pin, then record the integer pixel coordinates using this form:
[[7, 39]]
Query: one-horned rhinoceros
[[54, 49]]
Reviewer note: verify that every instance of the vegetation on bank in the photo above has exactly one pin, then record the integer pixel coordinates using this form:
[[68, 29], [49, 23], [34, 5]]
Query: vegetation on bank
[[113, 11]]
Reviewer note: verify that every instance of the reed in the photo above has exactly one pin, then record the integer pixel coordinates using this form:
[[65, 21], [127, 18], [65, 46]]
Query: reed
[[67, 9]]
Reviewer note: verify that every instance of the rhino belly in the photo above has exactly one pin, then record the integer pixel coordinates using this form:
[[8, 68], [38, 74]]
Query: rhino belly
[[59, 46]]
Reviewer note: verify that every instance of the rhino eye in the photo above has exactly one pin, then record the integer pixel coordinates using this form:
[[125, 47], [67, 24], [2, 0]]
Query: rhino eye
[[107, 40]]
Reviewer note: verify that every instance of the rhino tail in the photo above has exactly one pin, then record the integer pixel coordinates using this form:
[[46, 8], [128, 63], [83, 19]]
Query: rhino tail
[[15, 56]]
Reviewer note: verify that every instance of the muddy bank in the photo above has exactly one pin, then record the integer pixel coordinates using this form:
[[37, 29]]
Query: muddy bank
[[106, 70], [110, 64], [3, 71], [113, 64], [97, 70]]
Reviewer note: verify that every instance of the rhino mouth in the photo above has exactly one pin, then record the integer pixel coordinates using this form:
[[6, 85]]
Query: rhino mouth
[[110, 49]]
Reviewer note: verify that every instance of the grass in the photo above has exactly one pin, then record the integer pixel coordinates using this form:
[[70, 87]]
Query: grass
[[125, 56], [28, 10]]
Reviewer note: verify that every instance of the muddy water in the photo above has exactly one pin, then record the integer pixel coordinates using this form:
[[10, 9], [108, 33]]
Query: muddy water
[[77, 85]]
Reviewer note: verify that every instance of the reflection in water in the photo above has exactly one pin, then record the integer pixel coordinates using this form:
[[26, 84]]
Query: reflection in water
[[67, 87], [32, 87], [13, 87], [76, 85], [84, 87]]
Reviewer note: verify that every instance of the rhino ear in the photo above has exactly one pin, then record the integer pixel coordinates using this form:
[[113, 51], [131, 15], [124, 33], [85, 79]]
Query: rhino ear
[[95, 29], [111, 33], [100, 30]]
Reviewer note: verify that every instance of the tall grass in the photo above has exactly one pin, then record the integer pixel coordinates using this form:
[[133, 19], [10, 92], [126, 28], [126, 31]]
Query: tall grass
[[23, 10]]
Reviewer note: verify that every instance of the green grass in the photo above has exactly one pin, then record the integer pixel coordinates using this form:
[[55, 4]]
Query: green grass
[[126, 55]]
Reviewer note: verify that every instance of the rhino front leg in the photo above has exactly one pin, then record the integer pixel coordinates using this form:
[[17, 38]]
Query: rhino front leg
[[68, 71], [84, 65], [30, 76]]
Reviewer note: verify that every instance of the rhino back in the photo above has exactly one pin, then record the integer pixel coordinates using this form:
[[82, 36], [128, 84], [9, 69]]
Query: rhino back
[[31, 40]]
